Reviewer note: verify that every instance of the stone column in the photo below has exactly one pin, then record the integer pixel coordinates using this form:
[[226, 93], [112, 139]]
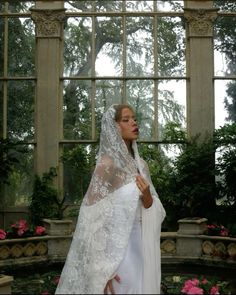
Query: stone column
[[199, 17], [49, 20]]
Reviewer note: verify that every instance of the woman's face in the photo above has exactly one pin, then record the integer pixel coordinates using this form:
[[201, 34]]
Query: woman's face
[[128, 125]]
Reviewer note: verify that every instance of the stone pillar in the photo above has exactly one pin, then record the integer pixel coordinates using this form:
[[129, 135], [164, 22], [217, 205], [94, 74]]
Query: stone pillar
[[49, 20], [199, 17]]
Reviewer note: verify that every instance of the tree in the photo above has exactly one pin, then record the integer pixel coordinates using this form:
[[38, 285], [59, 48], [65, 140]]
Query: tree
[[226, 44]]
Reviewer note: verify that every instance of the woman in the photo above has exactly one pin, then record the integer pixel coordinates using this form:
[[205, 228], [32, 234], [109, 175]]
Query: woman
[[116, 244]]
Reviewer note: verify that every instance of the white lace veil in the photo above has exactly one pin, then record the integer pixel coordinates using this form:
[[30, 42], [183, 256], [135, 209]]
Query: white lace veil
[[106, 216], [115, 166]]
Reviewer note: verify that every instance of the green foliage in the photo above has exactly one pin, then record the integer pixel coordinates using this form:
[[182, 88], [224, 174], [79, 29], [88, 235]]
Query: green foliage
[[45, 202], [79, 162], [193, 183], [9, 150], [225, 139]]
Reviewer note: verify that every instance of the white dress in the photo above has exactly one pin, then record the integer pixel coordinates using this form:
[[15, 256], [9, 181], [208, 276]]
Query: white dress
[[130, 270]]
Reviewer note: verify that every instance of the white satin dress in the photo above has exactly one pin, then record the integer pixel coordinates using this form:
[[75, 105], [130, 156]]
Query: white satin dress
[[130, 269]]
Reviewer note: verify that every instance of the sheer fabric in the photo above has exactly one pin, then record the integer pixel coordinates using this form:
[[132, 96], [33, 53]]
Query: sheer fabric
[[106, 219]]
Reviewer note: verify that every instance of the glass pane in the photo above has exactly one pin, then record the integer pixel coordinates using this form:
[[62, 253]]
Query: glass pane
[[108, 46], [1, 109], [225, 102], [1, 45], [226, 6], [79, 6], [171, 105], [20, 186], [20, 112], [170, 47], [170, 5], [79, 162], [21, 47], [225, 46], [77, 109], [140, 97], [108, 5], [108, 92], [2, 6], [20, 6], [139, 5], [140, 59], [77, 50]]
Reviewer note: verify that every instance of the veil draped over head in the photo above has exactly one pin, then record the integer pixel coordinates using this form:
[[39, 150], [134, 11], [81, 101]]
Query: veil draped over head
[[115, 166], [106, 218]]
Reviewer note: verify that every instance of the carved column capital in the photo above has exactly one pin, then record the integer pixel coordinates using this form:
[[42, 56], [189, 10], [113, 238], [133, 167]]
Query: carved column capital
[[48, 22], [200, 21]]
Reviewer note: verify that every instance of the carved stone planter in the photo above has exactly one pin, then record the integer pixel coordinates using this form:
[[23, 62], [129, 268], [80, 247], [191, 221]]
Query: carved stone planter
[[58, 227], [188, 244], [192, 226], [60, 232], [5, 284]]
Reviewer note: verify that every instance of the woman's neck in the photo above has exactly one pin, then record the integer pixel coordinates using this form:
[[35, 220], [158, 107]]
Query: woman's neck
[[129, 147]]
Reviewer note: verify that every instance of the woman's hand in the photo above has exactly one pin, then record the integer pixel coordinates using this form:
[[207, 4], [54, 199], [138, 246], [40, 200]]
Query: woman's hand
[[144, 188], [109, 286]]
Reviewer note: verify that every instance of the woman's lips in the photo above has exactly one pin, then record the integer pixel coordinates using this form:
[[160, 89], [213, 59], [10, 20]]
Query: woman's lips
[[135, 130]]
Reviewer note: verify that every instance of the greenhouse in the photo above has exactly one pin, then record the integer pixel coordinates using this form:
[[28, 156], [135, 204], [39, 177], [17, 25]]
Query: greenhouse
[[62, 65]]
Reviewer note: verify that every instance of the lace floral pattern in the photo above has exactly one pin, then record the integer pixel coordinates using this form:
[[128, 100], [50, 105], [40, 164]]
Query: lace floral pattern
[[106, 215]]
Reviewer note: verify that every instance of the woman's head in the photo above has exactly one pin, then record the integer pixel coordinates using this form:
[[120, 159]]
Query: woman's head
[[126, 121]]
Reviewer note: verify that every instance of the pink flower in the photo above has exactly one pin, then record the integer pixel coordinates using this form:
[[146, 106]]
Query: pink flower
[[39, 230], [2, 234], [224, 232], [45, 293], [214, 290], [189, 284], [21, 226], [56, 280], [195, 290], [204, 281]]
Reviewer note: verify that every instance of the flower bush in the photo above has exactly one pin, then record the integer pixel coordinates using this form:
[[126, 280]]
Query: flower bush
[[217, 230], [49, 283], [21, 229], [194, 285]]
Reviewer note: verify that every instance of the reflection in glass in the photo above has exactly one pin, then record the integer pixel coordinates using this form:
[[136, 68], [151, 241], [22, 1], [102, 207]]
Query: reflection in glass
[[79, 6], [171, 105], [170, 5], [226, 6], [108, 48], [108, 5], [1, 109], [225, 46], [225, 102], [108, 92], [20, 6], [170, 47], [78, 164], [140, 97], [21, 47], [77, 47], [140, 57], [77, 109], [20, 111], [1, 45], [139, 5], [21, 179]]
